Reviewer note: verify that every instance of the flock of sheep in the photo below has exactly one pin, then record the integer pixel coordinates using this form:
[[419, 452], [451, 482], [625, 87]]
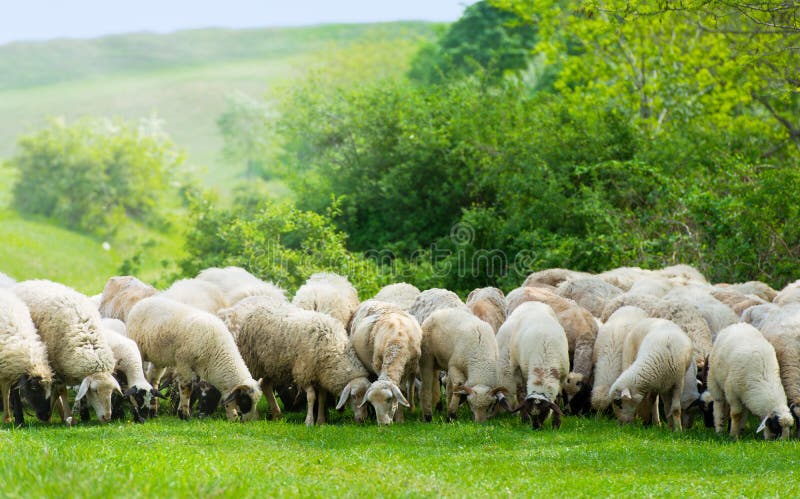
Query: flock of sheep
[[630, 342]]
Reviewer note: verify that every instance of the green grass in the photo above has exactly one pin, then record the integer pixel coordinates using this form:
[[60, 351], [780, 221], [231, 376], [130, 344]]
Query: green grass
[[212, 457]]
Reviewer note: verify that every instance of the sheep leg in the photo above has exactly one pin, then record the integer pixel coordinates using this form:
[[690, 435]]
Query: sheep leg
[[676, 422], [645, 410], [311, 396], [6, 403], [321, 409], [184, 411], [274, 409], [738, 418], [720, 416], [426, 393], [66, 413]]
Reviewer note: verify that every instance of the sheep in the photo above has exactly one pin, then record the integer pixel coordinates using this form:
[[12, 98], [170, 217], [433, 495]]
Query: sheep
[[756, 288], [784, 335], [716, 314], [287, 344], [330, 294], [581, 330], [489, 305], [735, 300], [682, 272], [608, 348], [70, 328], [455, 340], [624, 277], [591, 293], [120, 294], [234, 316], [128, 370], [194, 342], [533, 361], [551, 277], [197, 293], [662, 359], [24, 368], [790, 294], [387, 341], [432, 300], [236, 284], [758, 315], [400, 294], [744, 375], [6, 281]]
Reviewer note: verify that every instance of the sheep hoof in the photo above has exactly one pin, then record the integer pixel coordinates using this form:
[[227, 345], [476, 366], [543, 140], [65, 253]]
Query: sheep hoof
[[428, 418], [184, 415], [451, 417], [69, 421]]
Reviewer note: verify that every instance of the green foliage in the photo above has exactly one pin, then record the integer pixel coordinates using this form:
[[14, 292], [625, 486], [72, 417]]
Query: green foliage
[[246, 131], [275, 242], [485, 40], [94, 174]]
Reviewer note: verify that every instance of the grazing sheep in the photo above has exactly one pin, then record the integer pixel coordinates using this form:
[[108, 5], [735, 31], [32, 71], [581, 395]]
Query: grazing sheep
[[581, 330], [236, 284], [608, 349], [330, 294], [790, 294], [682, 272], [591, 293], [197, 293], [662, 359], [755, 288], [624, 277], [737, 301], [744, 375], [195, 343], [400, 294], [128, 372], [455, 340], [716, 314], [784, 335], [71, 329], [552, 277], [120, 294], [489, 305], [431, 300], [234, 316], [23, 361], [286, 344], [533, 361], [387, 341]]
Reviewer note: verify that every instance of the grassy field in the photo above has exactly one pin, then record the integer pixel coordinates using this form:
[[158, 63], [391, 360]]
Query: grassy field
[[215, 458]]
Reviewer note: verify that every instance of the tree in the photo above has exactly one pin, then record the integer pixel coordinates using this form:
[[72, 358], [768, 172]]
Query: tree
[[246, 127]]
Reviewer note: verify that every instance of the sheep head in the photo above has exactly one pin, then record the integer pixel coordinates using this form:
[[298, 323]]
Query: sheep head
[[482, 400], [537, 407], [625, 404], [355, 392], [777, 424], [242, 401], [385, 396], [575, 384], [36, 392], [97, 388]]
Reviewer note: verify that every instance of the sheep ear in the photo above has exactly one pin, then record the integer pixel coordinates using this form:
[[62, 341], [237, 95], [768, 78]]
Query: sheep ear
[[503, 401], [556, 409], [158, 394], [117, 388], [343, 397], [230, 398], [130, 392], [463, 390], [82, 389], [626, 394], [399, 396], [762, 425]]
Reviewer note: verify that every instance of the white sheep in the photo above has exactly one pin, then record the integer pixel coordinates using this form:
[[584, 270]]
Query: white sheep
[[659, 369], [6, 281], [431, 300], [197, 293], [195, 343], [489, 305], [716, 314], [608, 349], [759, 315], [387, 341], [120, 294], [330, 294], [591, 293], [756, 288], [71, 329], [624, 277], [234, 316], [784, 335], [551, 278], [286, 344], [23, 360], [401, 294], [744, 376], [533, 361], [236, 284], [453, 339]]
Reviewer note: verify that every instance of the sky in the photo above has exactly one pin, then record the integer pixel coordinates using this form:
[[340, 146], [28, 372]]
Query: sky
[[47, 19]]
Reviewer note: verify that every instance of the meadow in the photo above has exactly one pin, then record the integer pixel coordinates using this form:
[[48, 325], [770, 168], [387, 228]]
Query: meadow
[[214, 458]]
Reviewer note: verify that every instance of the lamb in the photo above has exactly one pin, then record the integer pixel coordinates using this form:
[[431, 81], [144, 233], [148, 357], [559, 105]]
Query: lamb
[[287, 344], [744, 375], [591, 293], [120, 294], [489, 305], [581, 330], [432, 300], [662, 359], [236, 284], [194, 342], [24, 367], [608, 349], [128, 371], [330, 294], [400, 294], [387, 341], [455, 340], [70, 328], [533, 361], [197, 293], [551, 277]]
